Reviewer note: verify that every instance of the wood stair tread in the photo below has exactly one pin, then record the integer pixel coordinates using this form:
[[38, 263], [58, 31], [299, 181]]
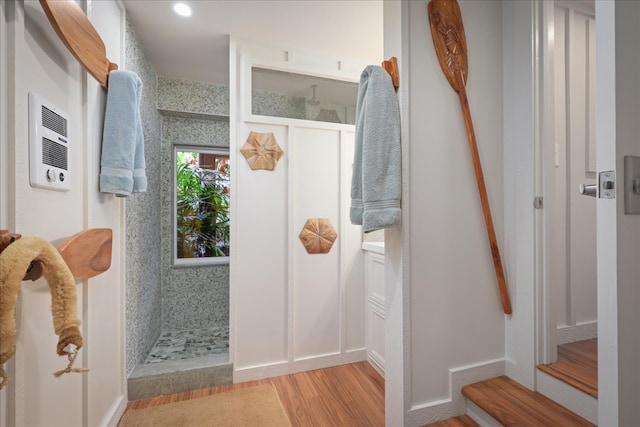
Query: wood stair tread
[[572, 380], [512, 404], [577, 365], [463, 421]]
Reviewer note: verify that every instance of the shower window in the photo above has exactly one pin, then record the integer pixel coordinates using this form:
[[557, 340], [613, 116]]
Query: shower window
[[298, 96], [202, 202]]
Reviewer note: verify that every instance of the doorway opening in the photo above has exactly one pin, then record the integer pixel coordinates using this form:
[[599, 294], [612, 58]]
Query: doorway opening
[[567, 161]]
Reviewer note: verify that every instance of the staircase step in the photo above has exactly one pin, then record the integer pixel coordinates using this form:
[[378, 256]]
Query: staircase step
[[512, 404], [463, 421], [577, 366]]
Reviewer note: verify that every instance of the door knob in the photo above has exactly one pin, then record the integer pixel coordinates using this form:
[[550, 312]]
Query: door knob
[[588, 189]]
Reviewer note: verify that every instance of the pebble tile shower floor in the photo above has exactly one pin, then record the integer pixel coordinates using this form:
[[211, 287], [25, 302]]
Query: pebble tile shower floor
[[180, 345]]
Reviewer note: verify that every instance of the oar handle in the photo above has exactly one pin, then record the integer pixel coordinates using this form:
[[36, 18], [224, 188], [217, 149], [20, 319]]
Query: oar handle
[[484, 200]]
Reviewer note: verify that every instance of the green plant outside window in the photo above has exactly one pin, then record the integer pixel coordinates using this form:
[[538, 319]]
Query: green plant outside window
[[202, 204]]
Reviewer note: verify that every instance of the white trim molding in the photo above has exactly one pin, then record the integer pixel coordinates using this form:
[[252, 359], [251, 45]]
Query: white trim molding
[[456, 404], [581, 332], [301, 365]]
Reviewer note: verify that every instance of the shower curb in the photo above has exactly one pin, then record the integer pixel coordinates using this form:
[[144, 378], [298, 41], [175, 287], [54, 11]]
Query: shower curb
[[176, 376]]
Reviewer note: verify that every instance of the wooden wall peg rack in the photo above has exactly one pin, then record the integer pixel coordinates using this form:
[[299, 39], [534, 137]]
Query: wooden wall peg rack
[[391, 65], [81, 38], [87, 253]]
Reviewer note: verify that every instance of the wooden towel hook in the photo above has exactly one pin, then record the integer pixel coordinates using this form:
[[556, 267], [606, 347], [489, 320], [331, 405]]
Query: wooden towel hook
[[87, 253], [391, 66], [35, 268], [81, 38]]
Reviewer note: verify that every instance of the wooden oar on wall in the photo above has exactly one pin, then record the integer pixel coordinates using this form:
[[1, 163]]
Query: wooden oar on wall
[[451, 48]]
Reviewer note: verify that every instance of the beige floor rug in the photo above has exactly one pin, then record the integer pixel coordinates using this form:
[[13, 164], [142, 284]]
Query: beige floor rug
[[253, 406]]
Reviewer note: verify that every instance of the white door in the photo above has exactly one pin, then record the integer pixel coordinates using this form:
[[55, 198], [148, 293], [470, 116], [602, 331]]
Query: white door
[[573, 241], [617, 82], [618, 235]]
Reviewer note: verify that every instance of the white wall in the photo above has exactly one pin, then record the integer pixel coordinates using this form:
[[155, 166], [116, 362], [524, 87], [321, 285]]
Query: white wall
[[454, 315], [38, 61], [290, 310], [520, 189]]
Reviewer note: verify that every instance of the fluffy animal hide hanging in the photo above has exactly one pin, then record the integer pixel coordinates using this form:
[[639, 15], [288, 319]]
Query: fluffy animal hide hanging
[[14, 262]]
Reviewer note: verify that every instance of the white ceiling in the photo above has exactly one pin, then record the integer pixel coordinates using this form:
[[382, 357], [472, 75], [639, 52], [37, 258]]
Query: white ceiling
[[197, 48]]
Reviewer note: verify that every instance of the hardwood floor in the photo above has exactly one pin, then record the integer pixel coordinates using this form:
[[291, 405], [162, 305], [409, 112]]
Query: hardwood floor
[[577, 365], [347, 395], [353, 395]]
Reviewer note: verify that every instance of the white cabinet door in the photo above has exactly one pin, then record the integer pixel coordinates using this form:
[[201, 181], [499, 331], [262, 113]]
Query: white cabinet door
[[375, 288]]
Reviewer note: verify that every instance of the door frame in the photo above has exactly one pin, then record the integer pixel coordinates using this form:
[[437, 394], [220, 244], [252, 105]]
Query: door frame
[[544, 321], [547, 337], [607, 227], [607, 224], [544, 134]]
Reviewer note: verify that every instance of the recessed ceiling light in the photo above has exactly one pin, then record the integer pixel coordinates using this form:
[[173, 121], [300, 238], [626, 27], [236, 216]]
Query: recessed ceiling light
[[182, 9]]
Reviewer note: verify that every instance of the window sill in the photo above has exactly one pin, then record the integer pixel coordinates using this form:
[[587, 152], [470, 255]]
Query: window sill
[[200, 262]]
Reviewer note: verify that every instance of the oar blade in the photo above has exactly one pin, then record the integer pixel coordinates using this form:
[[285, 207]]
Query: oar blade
[[449, 40]]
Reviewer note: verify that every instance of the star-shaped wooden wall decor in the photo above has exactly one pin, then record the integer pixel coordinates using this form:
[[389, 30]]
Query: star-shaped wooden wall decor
[[318, 235], [262, 151]]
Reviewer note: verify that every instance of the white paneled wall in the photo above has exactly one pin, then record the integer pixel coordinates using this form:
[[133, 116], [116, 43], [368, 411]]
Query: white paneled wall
[[36, 60], [316, 278], [290, 310], [260, 254]]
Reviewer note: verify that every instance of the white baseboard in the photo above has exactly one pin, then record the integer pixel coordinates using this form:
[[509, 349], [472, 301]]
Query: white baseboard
[[584, 331], [456, 405], [376, 361], [285, 368], [119, 407]]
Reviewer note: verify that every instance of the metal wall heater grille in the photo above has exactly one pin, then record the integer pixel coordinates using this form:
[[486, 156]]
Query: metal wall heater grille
[[53, 121], [54, 154], [50, 164]]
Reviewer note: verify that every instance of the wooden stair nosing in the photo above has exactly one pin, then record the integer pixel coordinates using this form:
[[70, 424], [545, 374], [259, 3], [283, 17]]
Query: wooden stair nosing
[[577, 365], [512, 404], [579, 383]]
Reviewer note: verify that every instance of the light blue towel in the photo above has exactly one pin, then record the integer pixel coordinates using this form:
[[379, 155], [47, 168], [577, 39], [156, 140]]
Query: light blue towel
[[376, 185], [122, 166]]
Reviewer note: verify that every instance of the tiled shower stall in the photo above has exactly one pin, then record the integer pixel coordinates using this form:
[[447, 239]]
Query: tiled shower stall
[[177, 317]]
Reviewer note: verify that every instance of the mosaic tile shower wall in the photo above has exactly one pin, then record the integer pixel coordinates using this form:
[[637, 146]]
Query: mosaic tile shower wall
[[143, 274], [194, 114]]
